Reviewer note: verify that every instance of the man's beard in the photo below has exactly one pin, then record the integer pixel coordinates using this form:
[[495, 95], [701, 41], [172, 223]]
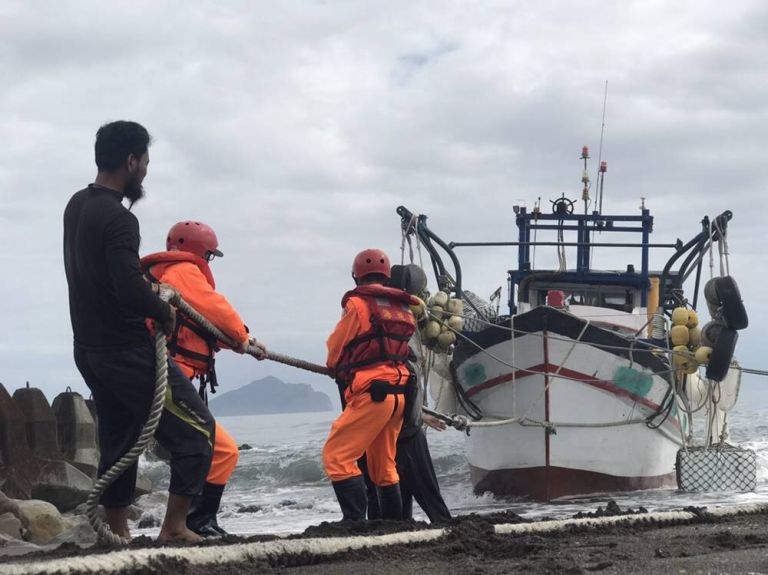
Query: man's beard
[[134, 191]]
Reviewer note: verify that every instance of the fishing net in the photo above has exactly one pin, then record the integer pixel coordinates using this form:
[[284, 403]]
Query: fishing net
[[718, 468], [474, 321]]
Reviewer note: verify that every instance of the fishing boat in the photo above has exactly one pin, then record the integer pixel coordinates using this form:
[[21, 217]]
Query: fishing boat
[[586, 385]]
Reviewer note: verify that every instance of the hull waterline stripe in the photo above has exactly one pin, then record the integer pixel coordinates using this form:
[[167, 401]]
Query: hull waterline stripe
[[547, 368]]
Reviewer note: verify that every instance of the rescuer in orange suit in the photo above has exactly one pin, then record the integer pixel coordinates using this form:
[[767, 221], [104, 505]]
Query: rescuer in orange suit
[[191, 246], [367, 352]]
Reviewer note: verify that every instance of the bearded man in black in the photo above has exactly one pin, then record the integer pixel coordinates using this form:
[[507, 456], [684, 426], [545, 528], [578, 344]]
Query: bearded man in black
[[109, 302]]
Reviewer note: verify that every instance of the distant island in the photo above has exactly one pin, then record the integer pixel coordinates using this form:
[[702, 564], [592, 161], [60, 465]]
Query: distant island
[[270, 395]]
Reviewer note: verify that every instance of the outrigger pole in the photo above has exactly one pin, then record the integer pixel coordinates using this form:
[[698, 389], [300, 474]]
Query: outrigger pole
[[445, 282]]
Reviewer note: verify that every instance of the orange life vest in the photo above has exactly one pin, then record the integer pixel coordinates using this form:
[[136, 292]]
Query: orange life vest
[[386, 342], [189, 343]]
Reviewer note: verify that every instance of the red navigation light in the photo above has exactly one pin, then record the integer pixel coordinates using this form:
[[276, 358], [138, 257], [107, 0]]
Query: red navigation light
[[603, 166], [585, 152]]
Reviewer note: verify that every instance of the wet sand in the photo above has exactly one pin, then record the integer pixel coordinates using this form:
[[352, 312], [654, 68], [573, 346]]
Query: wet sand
[[705, 544]]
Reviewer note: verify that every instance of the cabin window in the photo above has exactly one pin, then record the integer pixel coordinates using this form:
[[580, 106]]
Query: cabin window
[[618, 298]]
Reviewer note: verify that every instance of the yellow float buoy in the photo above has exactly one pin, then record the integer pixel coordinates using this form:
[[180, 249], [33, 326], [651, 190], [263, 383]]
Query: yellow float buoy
[[436, 311], [455, 322], [694, 336], [431, 330], [445, 339], [418, 308], [440, 298], [680, 316], [679, 335], [693, 318], [703, 354], [455, 306]]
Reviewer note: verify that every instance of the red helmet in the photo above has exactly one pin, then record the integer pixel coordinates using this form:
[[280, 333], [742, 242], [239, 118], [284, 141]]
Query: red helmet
[[370, 262], [194, 237]]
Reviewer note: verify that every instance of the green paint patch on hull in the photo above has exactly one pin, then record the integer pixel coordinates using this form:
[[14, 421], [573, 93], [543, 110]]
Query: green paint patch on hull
[[635, 382], [474, 374]]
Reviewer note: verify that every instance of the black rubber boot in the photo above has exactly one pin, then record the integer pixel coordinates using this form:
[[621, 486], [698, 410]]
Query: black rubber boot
[[391, 502], [352, 497], [202, 513]]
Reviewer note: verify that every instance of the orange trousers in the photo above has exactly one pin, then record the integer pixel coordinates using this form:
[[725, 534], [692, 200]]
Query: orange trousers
[[365, 426], [225, 456]]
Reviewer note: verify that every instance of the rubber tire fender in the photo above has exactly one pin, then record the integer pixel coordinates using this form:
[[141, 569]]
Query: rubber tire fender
[[724, 300], [711, 332], [722, 354]]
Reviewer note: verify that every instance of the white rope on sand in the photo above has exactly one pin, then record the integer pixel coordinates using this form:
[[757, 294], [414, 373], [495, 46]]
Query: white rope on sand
[[135, 560], [658, 517], [142, 560]]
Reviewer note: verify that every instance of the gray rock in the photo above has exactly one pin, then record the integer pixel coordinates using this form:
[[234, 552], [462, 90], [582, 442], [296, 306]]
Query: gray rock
[[41, 425], [61, 484], [77, 432], [77, 530], [10, 546], [10, 525], [151, 508], [8, 505], [16, 466], [143, 485], [148, 521], [45, 521]]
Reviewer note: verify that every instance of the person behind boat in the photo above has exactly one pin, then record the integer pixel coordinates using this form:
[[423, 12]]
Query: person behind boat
[[367, 352], [414, 462], [113, 350], [191, 246]]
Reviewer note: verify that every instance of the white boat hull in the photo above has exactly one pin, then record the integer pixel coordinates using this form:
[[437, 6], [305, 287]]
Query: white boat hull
[[589, 411]]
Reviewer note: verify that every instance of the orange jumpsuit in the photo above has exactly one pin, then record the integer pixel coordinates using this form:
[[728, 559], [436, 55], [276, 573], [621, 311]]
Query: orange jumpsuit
[[365, 426], [191, 277]]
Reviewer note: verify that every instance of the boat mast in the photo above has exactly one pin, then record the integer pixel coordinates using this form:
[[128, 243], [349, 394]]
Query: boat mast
[[602, 166]]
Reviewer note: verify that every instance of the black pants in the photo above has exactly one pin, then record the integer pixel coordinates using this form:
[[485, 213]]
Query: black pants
[[418, 480], [122, 383]]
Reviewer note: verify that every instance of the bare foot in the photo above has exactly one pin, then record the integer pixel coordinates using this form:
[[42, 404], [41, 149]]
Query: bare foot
[[125, 535], [178, 536], [117, 520]]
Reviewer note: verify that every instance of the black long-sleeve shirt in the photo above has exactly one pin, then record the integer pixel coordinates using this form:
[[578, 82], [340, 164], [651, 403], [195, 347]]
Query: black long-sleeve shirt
[[108, 297]]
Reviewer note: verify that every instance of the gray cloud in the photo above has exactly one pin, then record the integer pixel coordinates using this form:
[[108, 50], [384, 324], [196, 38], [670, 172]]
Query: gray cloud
[[296, 129]]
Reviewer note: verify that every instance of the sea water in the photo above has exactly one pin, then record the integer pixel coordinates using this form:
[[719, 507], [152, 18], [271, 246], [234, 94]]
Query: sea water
[[279, 485]]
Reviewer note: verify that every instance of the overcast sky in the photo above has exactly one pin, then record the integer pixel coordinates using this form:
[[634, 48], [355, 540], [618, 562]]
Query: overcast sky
[[295, 129]]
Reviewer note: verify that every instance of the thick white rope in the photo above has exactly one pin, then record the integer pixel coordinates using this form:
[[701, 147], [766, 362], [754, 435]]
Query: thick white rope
[[218, 556]]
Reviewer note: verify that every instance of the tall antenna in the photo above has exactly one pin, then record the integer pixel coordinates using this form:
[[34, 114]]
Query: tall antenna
[[602, 166]]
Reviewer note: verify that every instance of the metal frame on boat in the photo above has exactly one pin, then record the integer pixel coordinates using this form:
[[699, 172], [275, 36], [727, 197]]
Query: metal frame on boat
[[579, 374]]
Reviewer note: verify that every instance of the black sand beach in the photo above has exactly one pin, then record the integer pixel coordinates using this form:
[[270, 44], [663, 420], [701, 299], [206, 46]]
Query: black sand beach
[[706, 544]]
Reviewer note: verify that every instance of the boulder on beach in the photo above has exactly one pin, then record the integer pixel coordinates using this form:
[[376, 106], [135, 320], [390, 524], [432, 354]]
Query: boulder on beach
[[61, 484], [10, 526], [45, 521]]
